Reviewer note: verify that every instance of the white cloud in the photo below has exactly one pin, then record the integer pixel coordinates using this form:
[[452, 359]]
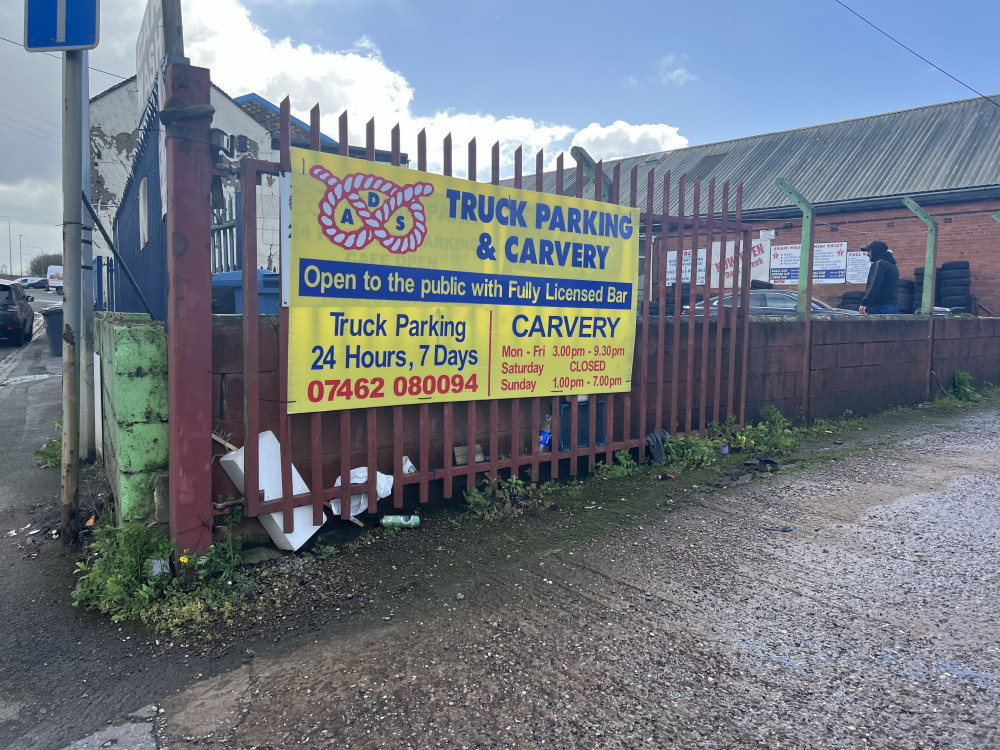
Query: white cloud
[[221, 36], [622, 139], [670, 70], [358, 81]]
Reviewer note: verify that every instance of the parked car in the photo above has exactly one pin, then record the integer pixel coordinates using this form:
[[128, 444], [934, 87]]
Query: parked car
[[32, 282], [776, 302], [17, 319]]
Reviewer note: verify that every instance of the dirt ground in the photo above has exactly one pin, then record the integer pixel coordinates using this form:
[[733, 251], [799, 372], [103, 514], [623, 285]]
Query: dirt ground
[[849, 600], [654, 614]]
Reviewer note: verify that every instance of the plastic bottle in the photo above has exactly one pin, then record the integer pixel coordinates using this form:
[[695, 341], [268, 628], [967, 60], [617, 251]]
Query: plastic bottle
[[400, 522], [545, 435]]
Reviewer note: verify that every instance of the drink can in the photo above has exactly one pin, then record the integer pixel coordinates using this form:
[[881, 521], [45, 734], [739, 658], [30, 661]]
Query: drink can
[[400, 522]]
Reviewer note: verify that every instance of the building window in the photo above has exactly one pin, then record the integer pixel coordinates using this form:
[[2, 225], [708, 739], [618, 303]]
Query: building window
[[143, 214]]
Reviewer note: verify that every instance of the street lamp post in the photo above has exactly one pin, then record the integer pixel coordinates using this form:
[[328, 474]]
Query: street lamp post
[[10, 245]]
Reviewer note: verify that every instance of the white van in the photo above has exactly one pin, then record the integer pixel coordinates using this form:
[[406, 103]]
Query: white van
[[54, 279]]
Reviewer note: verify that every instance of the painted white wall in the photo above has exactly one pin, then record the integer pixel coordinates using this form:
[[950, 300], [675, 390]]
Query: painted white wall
[[114, 138]]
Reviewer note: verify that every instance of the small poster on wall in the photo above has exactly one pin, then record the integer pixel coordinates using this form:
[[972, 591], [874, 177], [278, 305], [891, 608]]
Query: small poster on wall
[[686, 266], [857, 267], [725, 264], [829, 263]]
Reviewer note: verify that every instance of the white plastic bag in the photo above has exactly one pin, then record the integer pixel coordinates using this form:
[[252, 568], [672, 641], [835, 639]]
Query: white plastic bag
[[383, 487]]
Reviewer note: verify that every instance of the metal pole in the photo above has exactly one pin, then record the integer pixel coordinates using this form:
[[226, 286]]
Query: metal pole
[[806, 253], [86, 344], [927, 299], [72, 214], [188, 119], [10, 245], [803, 306]]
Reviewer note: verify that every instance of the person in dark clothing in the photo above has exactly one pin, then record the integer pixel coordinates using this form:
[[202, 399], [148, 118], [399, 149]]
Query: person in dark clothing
[[883, 278]]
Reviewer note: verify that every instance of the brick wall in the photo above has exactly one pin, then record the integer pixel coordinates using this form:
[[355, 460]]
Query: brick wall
[[866, 364], [966, 231]]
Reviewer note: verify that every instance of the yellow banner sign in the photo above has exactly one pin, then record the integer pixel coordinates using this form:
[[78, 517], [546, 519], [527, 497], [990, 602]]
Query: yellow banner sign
[[407, 287]]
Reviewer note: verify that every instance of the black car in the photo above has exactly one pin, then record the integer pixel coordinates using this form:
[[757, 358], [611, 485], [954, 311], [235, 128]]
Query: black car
[[33, 282], [777, 302], [17, 319]]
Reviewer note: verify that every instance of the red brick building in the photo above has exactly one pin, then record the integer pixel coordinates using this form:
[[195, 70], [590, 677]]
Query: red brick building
[[855, 173]]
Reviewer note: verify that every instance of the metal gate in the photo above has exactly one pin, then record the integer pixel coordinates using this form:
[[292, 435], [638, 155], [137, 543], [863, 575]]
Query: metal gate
[[689, 368], [140, 232]]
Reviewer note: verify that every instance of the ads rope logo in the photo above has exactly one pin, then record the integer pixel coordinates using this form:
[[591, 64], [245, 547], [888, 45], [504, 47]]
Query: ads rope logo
[[362, 208]]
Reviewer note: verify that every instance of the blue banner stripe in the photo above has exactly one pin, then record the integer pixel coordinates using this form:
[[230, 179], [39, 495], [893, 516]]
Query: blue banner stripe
[[339, 280]]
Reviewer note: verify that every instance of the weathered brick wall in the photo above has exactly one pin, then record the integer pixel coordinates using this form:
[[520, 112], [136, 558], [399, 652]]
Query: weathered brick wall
[[867, 364], [966, 231], [968, 344]]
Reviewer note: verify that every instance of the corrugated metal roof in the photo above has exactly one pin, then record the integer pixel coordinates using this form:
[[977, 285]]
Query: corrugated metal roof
[[941, 151]]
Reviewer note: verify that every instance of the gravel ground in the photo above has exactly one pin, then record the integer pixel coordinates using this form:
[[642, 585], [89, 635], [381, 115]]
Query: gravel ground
[[848, 602]]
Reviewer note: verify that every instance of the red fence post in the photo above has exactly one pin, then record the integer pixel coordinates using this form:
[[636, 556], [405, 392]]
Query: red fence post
[[187, 117]]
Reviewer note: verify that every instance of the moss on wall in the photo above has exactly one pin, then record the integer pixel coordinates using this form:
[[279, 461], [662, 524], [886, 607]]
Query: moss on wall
[[133, 351]]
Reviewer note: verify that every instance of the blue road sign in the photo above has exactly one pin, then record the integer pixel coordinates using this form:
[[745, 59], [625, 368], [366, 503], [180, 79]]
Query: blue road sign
[[61, 24]]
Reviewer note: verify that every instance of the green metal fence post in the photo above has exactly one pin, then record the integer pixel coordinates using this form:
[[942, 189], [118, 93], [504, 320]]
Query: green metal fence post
[[803, 306], [927, 298]]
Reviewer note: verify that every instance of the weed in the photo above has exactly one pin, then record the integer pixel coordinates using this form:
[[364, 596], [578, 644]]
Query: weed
[[324, 551], [772, 434], [50, 454], [503, 498], [961, 386], [721, 430], [690, 451], [119, 576], [127, 574], [97, 470], [621, 466]]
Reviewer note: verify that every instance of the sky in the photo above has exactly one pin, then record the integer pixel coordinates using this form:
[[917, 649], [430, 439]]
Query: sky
[[618, 79]]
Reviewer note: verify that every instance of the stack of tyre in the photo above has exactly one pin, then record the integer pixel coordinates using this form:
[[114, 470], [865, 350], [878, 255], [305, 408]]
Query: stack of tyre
[[953, 285], [906, 296], [851, 300]]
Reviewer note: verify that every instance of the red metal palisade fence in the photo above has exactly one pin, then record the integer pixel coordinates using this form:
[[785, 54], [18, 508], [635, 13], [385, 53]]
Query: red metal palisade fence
[[689, 368]]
